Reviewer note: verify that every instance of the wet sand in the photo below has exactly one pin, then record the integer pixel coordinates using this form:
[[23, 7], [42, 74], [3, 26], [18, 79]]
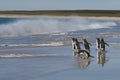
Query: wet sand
[[60, 66]]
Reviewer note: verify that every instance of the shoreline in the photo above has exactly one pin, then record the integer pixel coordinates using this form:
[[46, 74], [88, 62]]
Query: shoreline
[[54, 16]]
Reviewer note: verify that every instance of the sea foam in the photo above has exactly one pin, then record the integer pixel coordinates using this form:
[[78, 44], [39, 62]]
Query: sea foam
[[49, 25]]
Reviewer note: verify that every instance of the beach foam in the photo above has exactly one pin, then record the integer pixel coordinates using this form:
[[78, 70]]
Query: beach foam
[[33, 45], [26, 55]]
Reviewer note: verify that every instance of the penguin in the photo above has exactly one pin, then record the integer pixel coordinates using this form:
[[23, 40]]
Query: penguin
[[86, 45], [98, 43], [102, 44]]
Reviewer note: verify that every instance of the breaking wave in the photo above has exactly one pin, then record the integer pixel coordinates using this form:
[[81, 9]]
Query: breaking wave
[[49, 25]]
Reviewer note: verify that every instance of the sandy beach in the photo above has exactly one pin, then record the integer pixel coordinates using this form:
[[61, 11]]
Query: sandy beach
[[38, 16]]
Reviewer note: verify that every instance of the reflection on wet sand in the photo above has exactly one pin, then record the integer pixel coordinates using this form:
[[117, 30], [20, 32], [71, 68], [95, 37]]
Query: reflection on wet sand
[[101, 57], [82, 63]]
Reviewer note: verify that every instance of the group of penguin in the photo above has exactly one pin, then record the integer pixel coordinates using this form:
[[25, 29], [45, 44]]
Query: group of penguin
[[85, 53]]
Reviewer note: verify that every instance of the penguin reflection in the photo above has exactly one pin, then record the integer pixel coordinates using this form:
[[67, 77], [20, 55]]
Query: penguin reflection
[[82, 63], [101, 57]]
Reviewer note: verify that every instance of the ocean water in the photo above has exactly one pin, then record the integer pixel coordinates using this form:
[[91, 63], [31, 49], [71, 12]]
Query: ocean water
[[40, 48]]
